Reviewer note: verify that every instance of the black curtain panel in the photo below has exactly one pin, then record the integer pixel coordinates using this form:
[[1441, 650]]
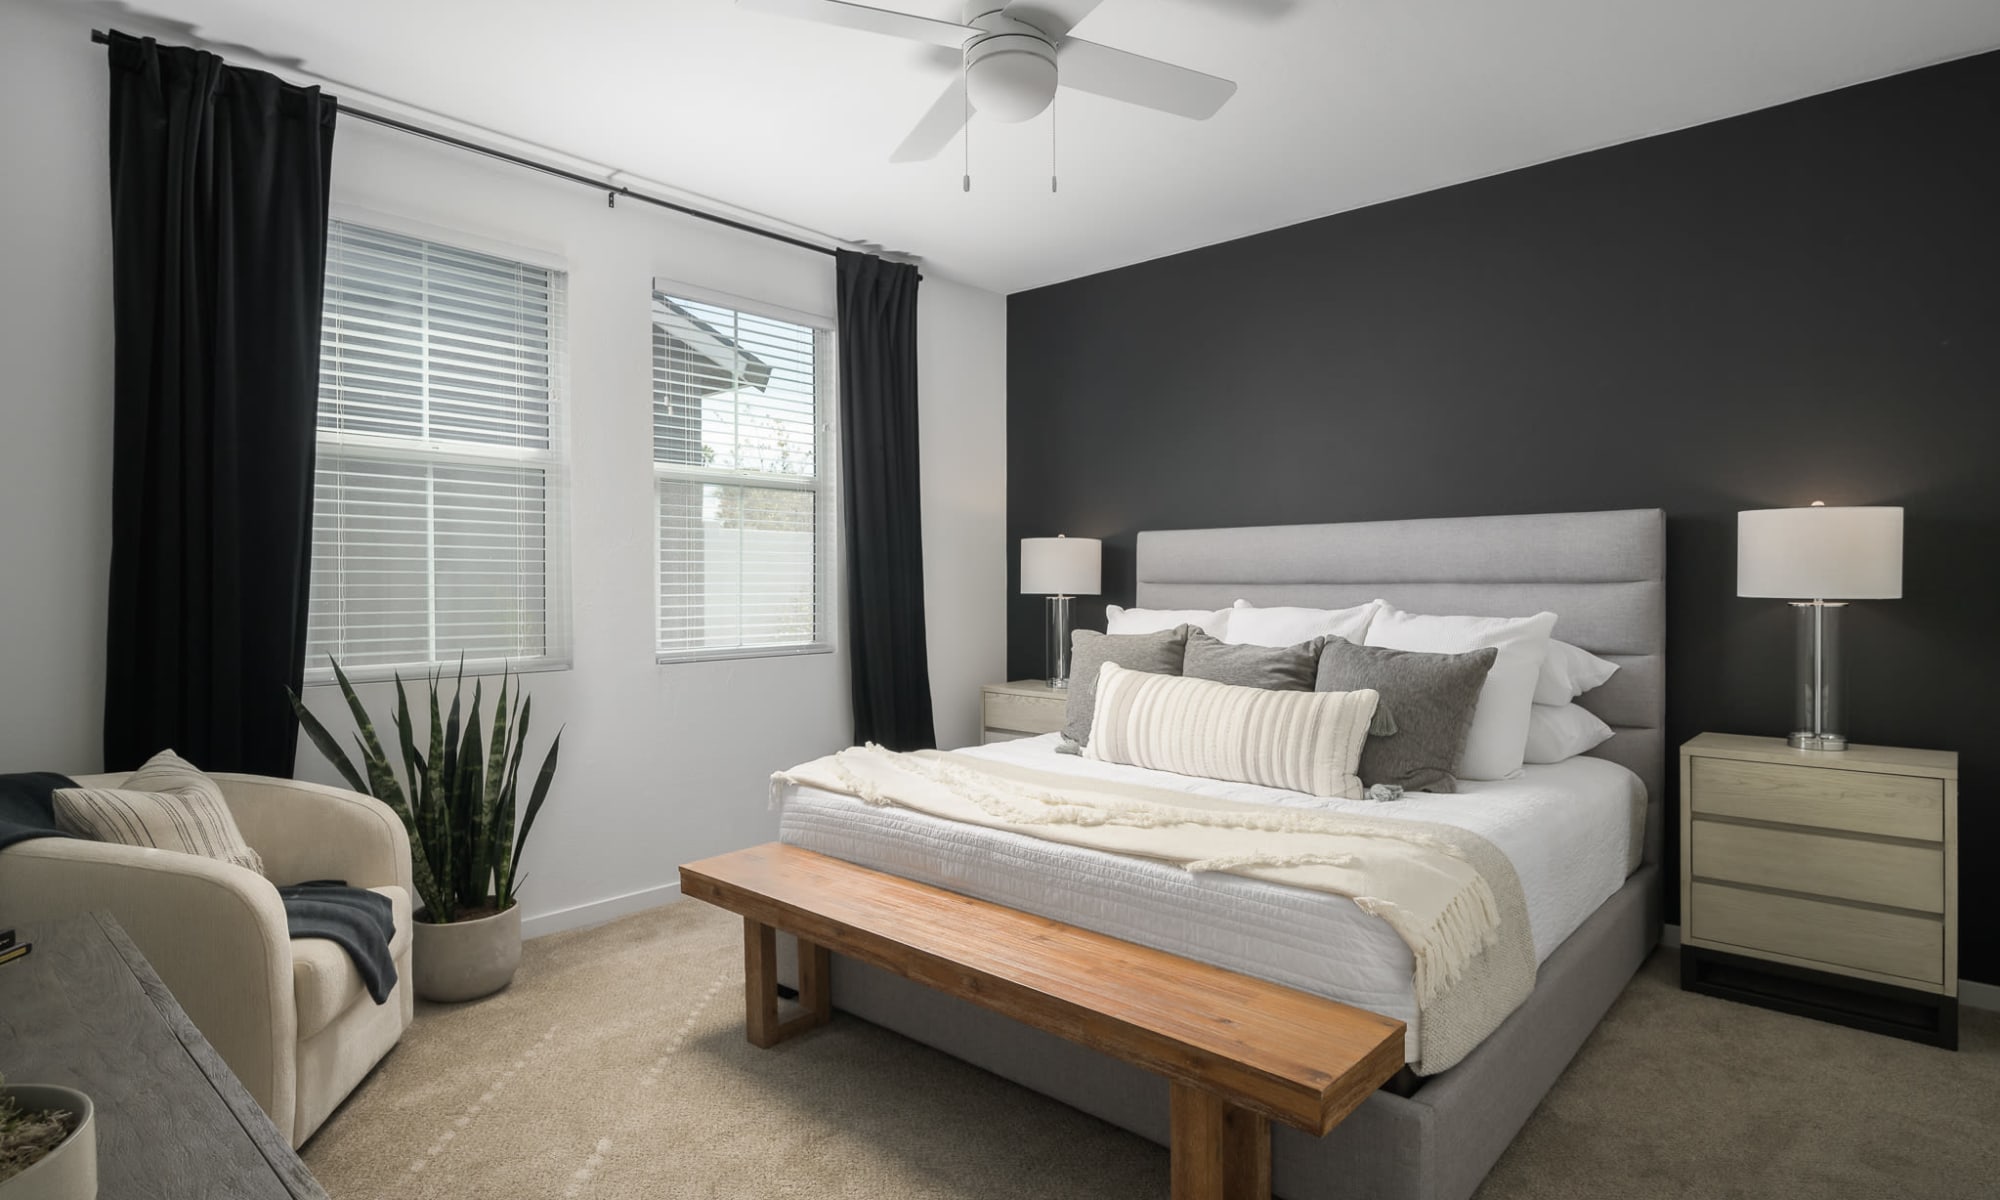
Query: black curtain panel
[[218, 223], [889, 666]]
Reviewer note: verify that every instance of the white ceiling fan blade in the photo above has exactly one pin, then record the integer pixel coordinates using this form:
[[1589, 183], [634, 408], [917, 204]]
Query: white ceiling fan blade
[[870, 20], [1135, 79], [938, 126], [1053, 17]]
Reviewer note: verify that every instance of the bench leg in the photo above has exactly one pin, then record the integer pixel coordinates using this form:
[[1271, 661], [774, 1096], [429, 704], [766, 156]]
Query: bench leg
[[760, 986], [1220, 1151]]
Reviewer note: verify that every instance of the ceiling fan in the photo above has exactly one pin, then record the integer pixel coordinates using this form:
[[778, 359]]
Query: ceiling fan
[[1015, 55]]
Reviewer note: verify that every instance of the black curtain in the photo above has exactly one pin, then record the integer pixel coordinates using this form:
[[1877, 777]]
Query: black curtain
[[889, 666], [218, 223]]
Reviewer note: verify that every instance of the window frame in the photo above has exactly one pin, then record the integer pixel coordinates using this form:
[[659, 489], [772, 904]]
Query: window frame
[[823, 483], [557, 632]]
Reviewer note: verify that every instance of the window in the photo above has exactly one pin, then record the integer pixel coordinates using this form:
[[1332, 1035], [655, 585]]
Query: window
[[740, 462], [436, 503]]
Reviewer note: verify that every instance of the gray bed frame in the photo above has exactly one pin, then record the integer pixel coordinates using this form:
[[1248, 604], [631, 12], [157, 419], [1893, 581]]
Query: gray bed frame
[[1604, 574]]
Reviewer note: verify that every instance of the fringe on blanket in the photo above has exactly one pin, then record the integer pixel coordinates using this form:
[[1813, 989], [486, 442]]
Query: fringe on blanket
[[1469, 924]]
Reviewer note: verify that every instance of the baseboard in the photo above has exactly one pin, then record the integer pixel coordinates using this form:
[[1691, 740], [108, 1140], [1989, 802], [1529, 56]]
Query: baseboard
[[597, 912], [1983, 996]]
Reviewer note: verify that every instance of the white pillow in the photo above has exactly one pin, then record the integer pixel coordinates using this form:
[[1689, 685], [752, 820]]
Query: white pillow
[[1562, 731], [1569, 672], [1152, 620], [1499, 737], [1253, 626], [1301, 741]]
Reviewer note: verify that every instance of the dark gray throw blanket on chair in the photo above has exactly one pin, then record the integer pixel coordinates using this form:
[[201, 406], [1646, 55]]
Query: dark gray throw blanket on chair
[[359, 921]]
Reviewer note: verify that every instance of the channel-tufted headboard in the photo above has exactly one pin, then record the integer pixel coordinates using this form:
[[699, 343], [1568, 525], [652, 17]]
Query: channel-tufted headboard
[[1602, 573]]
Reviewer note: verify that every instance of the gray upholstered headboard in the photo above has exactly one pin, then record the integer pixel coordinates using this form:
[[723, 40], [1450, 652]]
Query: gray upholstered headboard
[[1603, 574]]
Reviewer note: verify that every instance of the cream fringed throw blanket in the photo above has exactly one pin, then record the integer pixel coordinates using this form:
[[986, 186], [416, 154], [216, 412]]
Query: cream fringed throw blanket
[[1449, 894]]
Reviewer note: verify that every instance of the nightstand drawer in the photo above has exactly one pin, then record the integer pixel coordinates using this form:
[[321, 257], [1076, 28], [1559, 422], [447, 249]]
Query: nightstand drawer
[[1025, 714], [1897, 875], [1836, 935], [1857, 801]]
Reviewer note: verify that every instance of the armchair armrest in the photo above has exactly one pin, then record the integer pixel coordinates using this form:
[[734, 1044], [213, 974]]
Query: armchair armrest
[[214, 931], [310, 831]]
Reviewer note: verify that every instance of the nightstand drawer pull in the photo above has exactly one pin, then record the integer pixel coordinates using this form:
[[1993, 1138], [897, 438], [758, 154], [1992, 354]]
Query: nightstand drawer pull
[[1025, 714], [1837, 935], [1890, 873], [1858, 801]]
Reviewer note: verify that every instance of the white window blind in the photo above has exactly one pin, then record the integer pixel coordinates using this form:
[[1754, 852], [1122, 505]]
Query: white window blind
[[740, 449], [436, 501]]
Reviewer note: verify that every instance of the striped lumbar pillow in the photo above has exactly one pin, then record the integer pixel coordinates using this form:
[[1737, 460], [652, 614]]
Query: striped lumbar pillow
[[168, 805], [1302, 741]]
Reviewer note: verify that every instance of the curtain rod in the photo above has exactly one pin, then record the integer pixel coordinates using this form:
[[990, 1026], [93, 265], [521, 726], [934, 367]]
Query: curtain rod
[[611, 190]]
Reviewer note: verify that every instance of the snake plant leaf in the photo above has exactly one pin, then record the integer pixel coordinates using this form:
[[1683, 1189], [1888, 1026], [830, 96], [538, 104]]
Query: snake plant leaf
[[538, 796], [407, 742], [451, 731], [371, 746], [469, 810], [503, 827], [325, 742], [496, 760], [493, 846]]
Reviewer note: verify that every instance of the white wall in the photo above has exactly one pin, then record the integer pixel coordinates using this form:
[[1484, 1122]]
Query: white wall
[[660, 764]]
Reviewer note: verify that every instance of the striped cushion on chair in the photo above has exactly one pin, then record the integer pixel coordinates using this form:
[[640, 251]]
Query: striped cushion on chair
[[1302, 741], [168, 804]]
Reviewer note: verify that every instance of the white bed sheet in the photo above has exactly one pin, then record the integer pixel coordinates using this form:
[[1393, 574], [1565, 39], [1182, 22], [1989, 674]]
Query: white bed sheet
[[1571, 829]]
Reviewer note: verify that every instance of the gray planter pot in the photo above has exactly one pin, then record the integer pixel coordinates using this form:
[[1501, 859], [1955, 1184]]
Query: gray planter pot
[[465, 959], [69, 1172]]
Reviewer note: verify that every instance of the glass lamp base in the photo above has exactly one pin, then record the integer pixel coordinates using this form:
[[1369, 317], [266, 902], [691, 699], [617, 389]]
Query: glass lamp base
[[1817, 692], [1057, 646]]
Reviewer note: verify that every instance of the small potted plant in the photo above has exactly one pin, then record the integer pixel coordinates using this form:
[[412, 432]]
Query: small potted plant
[[459, 811], [48, 1143]]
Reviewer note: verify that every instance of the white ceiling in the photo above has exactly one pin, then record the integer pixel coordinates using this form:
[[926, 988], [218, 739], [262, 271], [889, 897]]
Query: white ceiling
[[1342, 103]]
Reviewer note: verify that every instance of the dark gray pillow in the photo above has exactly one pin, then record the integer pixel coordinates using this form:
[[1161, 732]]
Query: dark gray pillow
[[1273, 668], [1159, 653], [1430, 699]]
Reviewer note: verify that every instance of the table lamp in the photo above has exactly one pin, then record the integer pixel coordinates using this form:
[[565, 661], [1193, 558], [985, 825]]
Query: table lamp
[[1059, 568], [1819, 558]]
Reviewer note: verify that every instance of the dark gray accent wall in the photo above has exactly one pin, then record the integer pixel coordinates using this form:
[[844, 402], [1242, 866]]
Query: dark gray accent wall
[[1796, 304]]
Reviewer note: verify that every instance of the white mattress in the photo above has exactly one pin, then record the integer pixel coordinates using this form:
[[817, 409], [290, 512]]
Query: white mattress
[[1571, 829]]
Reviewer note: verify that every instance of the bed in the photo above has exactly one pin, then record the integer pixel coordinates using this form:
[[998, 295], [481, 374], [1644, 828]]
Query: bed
[[1584, 835]]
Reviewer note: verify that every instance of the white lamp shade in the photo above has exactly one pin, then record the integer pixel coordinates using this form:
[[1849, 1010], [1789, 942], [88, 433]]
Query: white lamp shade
[[1820, 553], [1062, 566]]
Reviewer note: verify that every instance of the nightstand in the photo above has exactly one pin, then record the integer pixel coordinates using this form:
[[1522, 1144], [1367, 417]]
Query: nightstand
[[1823, 883], [1023, 708]]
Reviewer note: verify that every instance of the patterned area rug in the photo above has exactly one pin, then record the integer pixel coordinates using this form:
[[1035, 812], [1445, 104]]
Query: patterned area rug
[[616, 1068]]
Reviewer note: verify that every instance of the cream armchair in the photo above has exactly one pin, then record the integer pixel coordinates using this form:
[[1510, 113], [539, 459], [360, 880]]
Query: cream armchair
[[291, 1018]]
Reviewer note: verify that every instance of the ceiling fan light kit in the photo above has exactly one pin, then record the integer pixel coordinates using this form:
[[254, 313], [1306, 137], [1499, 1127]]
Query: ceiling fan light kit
[[1014, 58], [1011, 76]]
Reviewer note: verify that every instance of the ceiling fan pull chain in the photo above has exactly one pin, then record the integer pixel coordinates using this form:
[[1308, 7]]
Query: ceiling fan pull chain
[[1052, 145], [965, 108]]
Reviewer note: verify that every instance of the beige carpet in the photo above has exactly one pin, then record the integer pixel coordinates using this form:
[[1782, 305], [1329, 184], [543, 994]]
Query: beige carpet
[[615, 1067]]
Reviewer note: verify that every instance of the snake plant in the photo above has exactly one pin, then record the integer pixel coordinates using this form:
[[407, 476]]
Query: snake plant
[[459, 802]]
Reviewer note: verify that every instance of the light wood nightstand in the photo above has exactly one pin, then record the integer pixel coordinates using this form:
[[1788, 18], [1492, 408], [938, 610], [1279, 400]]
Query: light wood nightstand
[[1023, 708], [1823, 883]]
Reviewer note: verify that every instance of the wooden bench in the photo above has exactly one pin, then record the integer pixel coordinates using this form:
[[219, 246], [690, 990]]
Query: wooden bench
[[1238, 1052]]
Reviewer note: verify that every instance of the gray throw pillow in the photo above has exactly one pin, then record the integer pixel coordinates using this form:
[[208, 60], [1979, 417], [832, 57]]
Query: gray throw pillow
[[1430, 699], [1159, 653], [1273, 668]]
